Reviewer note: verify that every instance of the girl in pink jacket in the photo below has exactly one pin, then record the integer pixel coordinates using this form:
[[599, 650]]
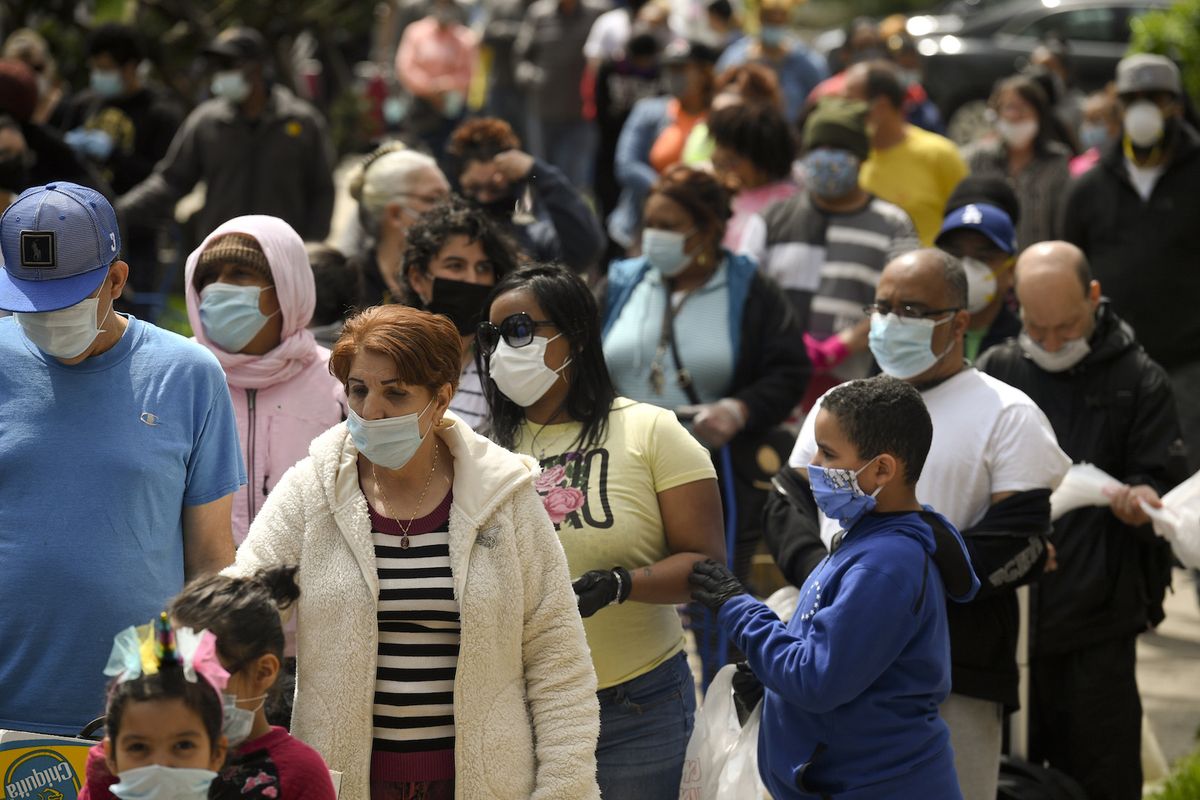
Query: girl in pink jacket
[[250, 297]]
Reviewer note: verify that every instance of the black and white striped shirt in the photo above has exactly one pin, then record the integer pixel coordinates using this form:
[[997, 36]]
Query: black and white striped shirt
[[413, 726]]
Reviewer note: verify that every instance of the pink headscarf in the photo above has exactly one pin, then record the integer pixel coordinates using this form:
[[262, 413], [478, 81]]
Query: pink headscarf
[[297, 293]]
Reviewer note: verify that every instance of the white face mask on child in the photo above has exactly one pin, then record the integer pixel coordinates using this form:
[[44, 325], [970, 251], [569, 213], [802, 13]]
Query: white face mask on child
[[157, 782]]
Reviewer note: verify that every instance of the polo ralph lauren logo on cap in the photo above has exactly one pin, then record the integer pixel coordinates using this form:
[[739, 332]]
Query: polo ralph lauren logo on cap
[[37, 250]]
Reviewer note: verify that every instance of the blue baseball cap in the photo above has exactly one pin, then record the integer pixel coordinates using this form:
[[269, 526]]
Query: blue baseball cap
[[57, 242], [989, 220]]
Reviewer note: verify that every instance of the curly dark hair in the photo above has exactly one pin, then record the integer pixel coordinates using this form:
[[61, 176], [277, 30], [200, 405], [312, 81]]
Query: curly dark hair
[[122, 42], [456, 216], [705, 197], [884, 415], [481, 139], [758, 132]]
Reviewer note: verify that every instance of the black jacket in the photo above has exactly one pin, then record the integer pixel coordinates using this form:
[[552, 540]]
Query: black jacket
[[1115, 410], [1144, 252]]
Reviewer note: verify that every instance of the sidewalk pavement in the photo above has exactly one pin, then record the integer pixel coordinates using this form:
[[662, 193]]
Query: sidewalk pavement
[[1169, 672]]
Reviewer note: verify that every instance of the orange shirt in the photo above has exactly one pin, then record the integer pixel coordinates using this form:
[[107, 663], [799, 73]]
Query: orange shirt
[[668, 147]]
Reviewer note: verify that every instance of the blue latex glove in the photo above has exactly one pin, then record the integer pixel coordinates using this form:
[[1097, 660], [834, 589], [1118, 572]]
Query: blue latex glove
[[94, 144]]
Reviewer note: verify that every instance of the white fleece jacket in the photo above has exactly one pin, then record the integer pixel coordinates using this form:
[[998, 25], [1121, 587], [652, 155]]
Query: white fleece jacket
[[525, 707]]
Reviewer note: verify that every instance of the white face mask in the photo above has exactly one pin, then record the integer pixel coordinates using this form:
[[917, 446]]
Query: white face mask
[[1017, 134], [1071, 353], [230, 84], [664, 251], [521, 372], [238, 721], [157, 782], [65, 333], [981, 284], [1144, 123]]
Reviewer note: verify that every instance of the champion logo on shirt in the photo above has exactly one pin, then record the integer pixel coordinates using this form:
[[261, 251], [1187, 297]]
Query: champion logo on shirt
[[149, 418]]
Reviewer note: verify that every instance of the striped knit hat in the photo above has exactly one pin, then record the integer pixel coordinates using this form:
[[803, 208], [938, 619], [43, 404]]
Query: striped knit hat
[[237, 248]]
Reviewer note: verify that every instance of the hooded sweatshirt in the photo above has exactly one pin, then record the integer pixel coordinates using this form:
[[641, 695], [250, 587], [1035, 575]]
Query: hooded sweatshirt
[[853, 682], [285, 398]]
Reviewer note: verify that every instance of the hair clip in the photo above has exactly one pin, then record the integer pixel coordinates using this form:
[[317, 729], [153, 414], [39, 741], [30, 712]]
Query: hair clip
[[150, 648]]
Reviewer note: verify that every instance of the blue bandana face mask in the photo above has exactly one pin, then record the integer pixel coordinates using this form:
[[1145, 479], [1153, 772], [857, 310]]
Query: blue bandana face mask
[[838, 494], [230, 315], [831, 173]]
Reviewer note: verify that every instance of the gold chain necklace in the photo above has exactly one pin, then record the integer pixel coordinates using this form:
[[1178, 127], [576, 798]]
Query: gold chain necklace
[[404, 529]]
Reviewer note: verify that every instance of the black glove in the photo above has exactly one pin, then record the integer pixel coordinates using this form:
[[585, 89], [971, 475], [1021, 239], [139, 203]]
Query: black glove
[[747, 690], [713, 584], [601, 587]]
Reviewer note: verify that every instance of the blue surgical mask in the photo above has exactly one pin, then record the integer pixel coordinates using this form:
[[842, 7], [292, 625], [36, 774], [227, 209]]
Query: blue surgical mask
[[904, 347], [831, 173], [1094, 134], [664, 250], [157, 782], [230, 316], [107, 83], [838, 494], [230, 84], [390, 443], [238, 722], [773, 35]]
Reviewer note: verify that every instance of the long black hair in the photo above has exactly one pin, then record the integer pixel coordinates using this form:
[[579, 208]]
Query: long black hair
[[569, 304]]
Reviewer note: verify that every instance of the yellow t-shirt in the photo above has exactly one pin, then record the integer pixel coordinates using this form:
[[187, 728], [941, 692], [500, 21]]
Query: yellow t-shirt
[[918, 175], [604, 503]]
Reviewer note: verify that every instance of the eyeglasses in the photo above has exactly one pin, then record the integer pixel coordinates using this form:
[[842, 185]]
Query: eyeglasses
[[427, 199], [516, 330], [907, 311]]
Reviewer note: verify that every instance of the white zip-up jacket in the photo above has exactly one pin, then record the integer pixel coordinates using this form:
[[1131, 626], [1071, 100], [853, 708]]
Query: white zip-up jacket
[[525, 710]]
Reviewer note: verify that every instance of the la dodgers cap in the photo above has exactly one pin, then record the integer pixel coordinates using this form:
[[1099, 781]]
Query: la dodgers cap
[[989, 220], [57, 242]]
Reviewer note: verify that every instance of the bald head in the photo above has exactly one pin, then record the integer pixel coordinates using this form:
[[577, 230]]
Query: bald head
[[1057, 294], [935, 275]]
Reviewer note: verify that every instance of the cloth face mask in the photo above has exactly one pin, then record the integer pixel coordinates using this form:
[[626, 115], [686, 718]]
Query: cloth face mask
[[981, 284], [521, 373], [230, 315], [157, 782], [664, 250], [65, 333], [904, 347], [838, 494], [831, 172], [1071, 353], [390, 443], [461, 301]]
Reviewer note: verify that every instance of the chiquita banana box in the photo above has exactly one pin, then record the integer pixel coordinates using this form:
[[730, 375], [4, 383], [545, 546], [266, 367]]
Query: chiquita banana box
[[34, 766]]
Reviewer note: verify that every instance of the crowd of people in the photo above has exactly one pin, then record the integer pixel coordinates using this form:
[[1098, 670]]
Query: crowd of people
[[432, 494]]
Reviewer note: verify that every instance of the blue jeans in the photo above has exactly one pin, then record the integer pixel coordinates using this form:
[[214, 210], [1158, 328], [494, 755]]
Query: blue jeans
[[645, 725]]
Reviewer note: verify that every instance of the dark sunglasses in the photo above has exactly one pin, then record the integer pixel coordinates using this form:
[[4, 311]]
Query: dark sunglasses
[[516, 330]]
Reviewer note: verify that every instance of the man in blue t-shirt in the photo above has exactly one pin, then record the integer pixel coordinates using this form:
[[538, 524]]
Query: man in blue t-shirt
[[119, 458]]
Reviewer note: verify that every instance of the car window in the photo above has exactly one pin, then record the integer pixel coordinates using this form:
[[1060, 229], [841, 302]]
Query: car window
[[1103, 24]]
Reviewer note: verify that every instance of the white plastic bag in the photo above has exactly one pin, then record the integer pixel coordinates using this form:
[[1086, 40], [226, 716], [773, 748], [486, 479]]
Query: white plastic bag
[[1084, 485], [722, 756], [1178, 521]]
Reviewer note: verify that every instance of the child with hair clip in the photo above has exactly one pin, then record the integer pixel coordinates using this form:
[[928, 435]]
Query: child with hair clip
[[163, 720], [265, 761]]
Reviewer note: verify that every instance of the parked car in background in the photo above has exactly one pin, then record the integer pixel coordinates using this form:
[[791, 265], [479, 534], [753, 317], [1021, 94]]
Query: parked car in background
[[969, 48]]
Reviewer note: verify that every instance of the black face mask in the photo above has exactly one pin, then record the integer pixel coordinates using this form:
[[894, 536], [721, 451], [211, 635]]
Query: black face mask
[[462, 302]]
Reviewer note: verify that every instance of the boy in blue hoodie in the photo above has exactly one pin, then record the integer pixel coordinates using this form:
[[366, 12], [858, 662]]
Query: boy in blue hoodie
[[852, 684]]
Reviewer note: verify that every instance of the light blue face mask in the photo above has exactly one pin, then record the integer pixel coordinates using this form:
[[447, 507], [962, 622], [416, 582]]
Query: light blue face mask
[[904, 347], [157, 782], [838, 494], [230, 315], [664, 251], [773, 35], [390, 443], [107, 83], [238, 722]]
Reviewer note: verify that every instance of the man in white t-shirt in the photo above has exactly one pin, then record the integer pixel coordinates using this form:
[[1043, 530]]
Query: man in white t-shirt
[[993, 462]]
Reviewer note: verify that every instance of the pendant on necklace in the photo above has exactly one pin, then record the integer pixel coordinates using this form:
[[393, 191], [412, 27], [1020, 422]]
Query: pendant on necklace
[[404, 541]]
